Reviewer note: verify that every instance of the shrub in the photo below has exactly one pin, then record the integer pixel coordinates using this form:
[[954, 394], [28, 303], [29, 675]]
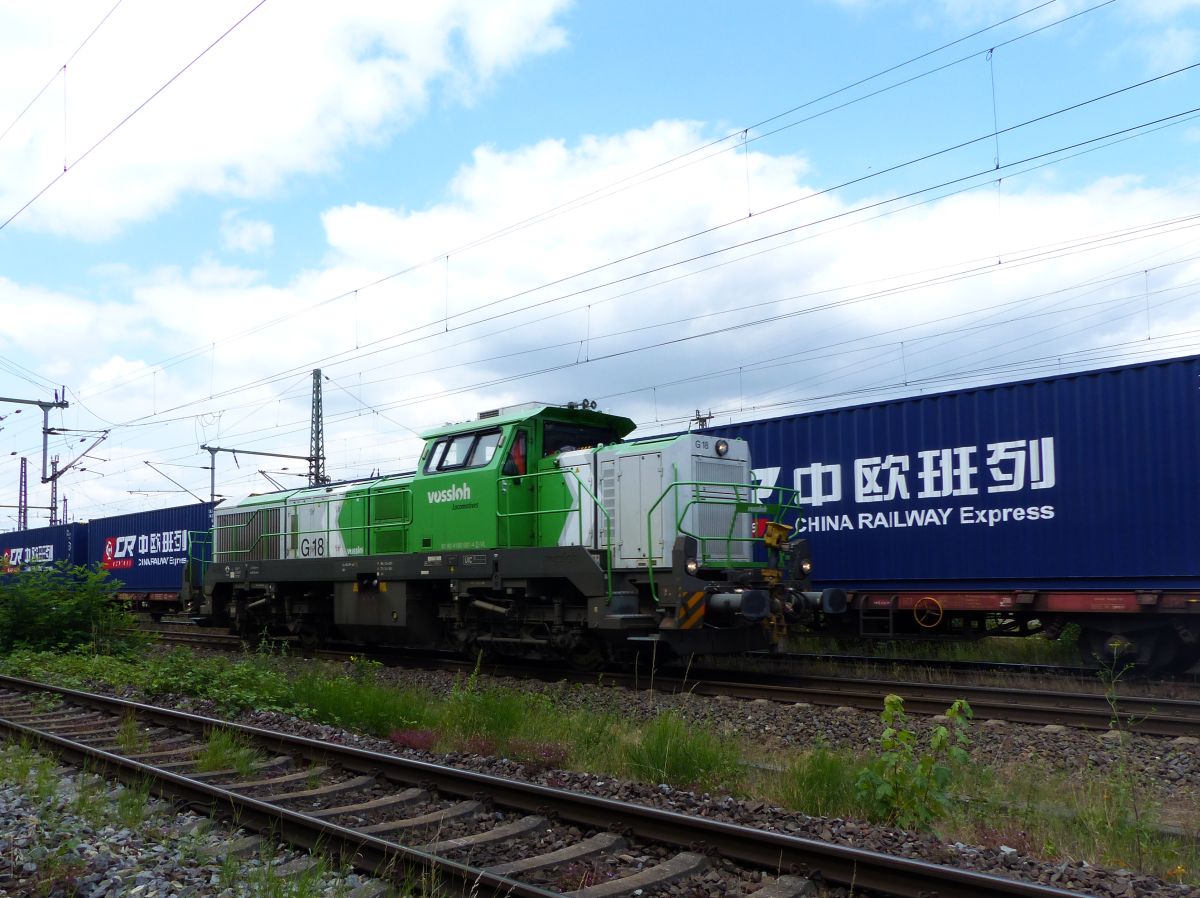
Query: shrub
[[60, 607], [904, 787]]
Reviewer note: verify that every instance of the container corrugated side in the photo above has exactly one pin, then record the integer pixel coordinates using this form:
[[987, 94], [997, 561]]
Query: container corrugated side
[[1084, 480], [147, 550], [43, 546]]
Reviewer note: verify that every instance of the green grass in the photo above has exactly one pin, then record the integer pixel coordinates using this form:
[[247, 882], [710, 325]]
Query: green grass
[[670, 750], [818, 782], [1006, 806], [130, 737], [226, 750], [1000, 649], [365, 706], [129, 809]]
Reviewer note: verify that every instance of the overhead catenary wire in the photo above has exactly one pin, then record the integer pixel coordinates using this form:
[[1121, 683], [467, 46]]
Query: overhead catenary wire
[[68, 167], [443, 256], [60, 71], [987, 172], [526, 374]]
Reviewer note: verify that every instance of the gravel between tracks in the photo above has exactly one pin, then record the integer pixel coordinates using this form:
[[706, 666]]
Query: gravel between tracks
[[795, 726], [57, 850]]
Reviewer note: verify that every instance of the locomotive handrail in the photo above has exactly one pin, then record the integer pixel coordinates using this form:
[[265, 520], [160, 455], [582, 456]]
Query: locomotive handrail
[[267, 534], [750, 505], [200, 539], [369, 528], [583, 488], [243, 524], [776, 509]]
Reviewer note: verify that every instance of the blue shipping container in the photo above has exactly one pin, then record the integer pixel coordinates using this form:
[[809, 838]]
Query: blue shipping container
[[43, 546], [147, 550], [1079, 481]]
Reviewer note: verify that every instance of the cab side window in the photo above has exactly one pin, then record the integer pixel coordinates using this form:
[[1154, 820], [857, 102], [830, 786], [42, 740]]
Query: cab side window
[[515, 464]]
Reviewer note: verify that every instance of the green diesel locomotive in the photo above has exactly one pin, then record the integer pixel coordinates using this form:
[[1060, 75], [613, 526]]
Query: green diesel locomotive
[[532, 531]]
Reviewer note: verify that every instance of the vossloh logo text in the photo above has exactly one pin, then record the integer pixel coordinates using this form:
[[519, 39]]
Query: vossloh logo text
[[460, 493]]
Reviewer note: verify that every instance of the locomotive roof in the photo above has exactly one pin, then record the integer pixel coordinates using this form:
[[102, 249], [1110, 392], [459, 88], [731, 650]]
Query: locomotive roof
[[621, 426]]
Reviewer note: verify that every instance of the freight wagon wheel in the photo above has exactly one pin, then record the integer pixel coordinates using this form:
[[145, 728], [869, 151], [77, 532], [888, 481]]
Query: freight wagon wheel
[[1187, 658], [1150, 651], [928, 612]]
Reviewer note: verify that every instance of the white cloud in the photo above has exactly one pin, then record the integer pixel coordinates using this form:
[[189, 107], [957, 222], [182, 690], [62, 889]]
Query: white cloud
[[1170, 48], [1160, 10], [283, 94], [395, 362], [245, 235]]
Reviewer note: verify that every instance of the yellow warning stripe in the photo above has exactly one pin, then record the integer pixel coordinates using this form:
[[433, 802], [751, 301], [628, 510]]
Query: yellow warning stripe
[[691, 612]]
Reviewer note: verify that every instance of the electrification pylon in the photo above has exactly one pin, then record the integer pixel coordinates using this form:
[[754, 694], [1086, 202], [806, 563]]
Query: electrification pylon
[[23, 497], [54, 491], [316, 444]]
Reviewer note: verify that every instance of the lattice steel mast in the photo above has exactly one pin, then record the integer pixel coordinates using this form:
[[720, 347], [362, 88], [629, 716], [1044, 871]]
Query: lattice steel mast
[[316, 443]]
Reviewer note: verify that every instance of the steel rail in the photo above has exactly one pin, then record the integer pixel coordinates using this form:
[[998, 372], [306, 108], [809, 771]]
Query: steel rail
[[861, 868], [1007, 667], [378, 856], [1141, 714]]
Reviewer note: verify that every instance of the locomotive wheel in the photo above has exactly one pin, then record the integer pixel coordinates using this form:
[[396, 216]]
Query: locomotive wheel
[[309, 635], [928, 613], [587, 654]]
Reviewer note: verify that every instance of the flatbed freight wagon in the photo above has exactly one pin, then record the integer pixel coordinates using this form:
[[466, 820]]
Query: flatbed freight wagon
[[1016, 507]]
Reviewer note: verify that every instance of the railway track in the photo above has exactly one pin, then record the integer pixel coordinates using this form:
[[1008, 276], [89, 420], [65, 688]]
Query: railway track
[[1151, 716], [1146, 715], [471, 832]]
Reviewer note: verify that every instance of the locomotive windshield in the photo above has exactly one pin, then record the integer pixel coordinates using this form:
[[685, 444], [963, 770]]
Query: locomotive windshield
[[467, 450]]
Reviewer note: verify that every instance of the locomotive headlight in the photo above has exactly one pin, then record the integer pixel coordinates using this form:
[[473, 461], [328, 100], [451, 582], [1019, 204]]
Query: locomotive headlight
[[721, 448], [691, 566], [806, 566]]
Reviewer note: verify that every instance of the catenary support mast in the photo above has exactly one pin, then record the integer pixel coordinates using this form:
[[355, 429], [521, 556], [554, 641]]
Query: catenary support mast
[[316, 443]]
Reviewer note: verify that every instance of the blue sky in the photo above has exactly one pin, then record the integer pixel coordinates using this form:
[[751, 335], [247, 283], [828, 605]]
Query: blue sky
[[200, 250]]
